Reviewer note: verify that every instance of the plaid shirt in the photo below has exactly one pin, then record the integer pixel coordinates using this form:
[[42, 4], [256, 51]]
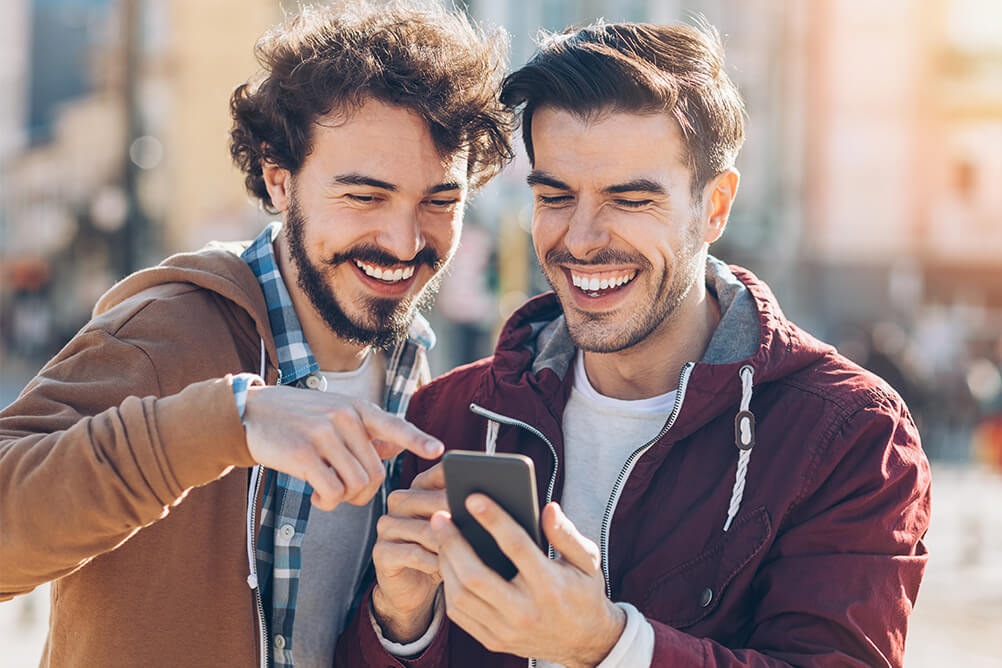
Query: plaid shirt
[[287, 499]]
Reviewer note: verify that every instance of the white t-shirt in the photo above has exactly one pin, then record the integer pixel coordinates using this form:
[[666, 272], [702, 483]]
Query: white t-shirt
[[337, 544], [600, 434]]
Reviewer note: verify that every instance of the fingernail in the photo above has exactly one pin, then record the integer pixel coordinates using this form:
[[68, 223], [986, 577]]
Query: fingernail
[[476, 504], [438, 521], [433, 447]]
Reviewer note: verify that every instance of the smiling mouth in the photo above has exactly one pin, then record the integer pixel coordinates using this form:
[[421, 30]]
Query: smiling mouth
[[387, 275], [598, 285]]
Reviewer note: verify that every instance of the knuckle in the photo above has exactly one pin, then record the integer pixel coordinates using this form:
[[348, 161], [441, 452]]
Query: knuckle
[[396, 500]]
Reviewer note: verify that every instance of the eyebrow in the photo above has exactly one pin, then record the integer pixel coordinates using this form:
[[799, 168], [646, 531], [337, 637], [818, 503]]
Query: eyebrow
[[636, 185], [355, 179], [538, 178]]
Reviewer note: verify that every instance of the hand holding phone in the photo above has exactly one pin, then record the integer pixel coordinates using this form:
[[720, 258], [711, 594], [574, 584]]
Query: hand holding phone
[[510, 481]]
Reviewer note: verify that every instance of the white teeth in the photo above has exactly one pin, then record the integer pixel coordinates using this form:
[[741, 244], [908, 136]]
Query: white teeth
[[593, 284], [388, 275]]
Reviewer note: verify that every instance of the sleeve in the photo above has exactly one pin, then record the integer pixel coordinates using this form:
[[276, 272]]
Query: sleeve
[[635, 646], [90, 453], [361, 644], [843, 575], [417, 646]]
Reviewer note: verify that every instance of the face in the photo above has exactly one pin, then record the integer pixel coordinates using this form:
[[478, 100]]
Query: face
[[371, 220], [617, 232]]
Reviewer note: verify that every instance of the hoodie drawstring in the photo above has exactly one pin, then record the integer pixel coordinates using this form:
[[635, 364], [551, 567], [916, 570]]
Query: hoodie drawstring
[[744, 438], [490, 443]]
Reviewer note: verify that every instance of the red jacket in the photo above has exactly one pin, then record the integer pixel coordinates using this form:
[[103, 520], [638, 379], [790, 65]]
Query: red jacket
[[822, 563]]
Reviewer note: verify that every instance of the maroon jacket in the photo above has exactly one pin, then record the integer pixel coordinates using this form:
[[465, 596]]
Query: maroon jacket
[[822, 563]]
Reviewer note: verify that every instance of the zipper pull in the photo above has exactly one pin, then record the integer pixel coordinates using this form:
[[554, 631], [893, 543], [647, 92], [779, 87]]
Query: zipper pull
[[252, 581]]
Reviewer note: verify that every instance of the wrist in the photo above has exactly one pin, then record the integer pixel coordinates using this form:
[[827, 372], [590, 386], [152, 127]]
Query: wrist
[[604, 638], [401, 626]]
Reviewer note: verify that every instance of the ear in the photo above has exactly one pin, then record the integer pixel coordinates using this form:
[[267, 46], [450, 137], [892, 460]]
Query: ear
[[278, 182], [723, 190]]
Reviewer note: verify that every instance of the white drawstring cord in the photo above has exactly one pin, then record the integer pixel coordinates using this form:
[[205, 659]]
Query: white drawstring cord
[[744, 438], [491, 442]]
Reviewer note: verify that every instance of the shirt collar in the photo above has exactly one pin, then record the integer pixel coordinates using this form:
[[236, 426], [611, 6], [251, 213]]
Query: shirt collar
[[295, 359]]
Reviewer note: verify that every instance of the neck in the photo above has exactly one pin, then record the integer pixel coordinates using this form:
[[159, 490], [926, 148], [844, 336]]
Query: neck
[[653, 366], [331, 351]]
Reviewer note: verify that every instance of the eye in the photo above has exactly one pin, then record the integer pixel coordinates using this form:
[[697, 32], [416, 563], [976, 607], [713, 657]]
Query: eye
[[632, 203], [445, 203], [362, 199], [554, 200]]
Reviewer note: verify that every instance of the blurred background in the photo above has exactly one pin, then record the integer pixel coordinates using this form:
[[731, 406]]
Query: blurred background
[[870, 201]]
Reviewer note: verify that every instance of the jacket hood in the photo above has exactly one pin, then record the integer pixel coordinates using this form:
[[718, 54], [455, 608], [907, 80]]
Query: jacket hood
[[535, 346], [218, 268]]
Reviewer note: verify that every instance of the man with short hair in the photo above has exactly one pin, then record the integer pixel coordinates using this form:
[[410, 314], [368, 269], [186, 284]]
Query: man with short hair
[[732, 491], [160, 469]]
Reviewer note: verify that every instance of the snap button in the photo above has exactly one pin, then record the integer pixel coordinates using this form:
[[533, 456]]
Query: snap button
[[706, 597], [315, 382], [287, 532], [280, 641]]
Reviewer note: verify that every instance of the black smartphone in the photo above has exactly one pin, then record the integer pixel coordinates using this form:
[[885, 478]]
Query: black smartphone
[[510, 481]]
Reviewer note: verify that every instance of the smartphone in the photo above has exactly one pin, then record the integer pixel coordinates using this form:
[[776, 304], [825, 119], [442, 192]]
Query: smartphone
[[510, 481]]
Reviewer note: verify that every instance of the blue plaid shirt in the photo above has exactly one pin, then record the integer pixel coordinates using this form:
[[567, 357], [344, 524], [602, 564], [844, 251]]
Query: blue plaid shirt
[[287, 499]]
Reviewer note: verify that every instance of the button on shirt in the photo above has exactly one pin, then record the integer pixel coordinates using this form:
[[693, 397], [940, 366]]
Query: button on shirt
[[286, 503]]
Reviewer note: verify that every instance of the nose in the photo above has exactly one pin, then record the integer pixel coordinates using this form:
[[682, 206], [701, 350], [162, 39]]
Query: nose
[[586, 232], [402, 237]]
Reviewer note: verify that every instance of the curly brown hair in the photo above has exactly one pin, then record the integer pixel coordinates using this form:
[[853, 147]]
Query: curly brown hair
[[332, 59]]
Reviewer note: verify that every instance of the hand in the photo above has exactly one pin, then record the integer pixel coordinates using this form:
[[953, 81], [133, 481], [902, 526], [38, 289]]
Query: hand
[[406, 558], [332, 441], [553, 609]]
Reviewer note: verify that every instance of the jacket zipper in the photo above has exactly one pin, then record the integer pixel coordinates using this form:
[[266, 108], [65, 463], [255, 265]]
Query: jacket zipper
[[628, 467], [252, 559], [491, 415]]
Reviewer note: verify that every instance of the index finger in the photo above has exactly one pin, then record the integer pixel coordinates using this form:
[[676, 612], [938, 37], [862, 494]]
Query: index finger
[[397, 434], [433, 478]]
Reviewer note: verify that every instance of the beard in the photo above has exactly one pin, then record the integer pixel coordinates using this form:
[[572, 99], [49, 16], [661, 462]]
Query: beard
[[381, 322], [607, 333]]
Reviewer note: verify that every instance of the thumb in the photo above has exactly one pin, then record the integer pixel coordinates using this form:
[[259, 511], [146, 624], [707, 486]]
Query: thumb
[[575, 549]]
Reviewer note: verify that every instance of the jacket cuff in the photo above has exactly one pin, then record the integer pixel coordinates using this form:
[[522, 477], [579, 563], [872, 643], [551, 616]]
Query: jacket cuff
[[415, 648], [372, 653], [635, 646], [201, 435]]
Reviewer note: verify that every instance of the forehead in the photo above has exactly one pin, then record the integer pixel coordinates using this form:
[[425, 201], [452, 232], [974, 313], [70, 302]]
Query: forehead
[[609, 147], [385, 142]]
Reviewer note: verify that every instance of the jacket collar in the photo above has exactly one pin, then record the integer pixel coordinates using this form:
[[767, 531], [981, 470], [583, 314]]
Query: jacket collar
[[535, 350]]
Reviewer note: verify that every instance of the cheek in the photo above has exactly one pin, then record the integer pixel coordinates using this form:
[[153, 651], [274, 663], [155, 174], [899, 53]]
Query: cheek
[[546, 229]]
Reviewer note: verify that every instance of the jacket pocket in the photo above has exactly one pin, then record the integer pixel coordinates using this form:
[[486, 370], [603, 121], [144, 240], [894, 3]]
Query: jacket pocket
[[689, 592]]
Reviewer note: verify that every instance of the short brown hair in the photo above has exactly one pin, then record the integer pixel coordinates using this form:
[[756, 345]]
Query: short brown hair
[[638, 68], [332, 59]]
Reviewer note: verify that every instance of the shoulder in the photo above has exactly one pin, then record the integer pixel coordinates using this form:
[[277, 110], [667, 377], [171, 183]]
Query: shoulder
[[865, 436], [447, 395]]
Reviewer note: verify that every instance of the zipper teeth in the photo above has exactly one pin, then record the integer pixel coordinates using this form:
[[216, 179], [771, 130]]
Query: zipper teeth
[[257, 590], [483, 412], [624, 473]]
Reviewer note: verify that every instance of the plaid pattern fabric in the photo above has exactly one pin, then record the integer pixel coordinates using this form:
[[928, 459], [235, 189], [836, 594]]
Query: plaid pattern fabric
[[286, 508]]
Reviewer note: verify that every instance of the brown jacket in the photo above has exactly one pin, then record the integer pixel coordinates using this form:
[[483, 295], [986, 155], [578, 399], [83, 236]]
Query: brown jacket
[[117, 479]]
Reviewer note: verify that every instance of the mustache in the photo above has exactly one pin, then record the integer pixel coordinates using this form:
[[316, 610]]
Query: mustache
[[603, 256], [371, 254]]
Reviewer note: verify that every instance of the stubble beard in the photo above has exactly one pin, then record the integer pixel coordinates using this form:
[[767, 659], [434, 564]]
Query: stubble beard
[[385, 322], [603, 333]]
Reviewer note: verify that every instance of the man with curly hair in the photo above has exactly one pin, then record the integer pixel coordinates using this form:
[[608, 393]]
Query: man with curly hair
[[161, 469]]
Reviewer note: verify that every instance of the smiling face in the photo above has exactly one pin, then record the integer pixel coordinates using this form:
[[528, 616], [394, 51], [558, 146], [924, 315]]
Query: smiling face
[[371, 219], [618, 235]]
